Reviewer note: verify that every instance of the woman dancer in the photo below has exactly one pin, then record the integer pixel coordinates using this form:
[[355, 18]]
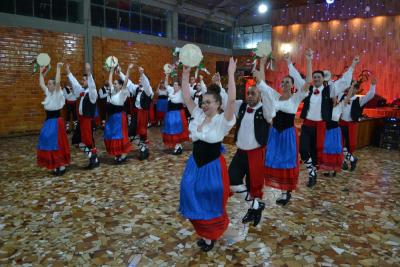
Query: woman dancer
[[116, 138], [281, 157], [53, 149], [205, 181], [175, 123]]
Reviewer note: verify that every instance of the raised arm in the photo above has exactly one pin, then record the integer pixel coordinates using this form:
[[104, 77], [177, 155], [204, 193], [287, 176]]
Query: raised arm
[[298, 81], [166, 84], [110, 79], [58, 76], [261, 74], [74, 83], [91, 85], [230, 107], [145, 83], [186, 89], [309, 58], [128, 72], [370, 94], [41, 80], [202, 85], [344, 82]]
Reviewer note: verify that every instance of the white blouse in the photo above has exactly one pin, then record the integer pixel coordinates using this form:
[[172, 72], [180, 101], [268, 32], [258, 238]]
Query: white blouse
[[212, 132], [175, 97], [118, 98], [337, 111], [54, 100], [271, 98]]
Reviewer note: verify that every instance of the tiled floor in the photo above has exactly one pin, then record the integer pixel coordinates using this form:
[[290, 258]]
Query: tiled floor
[[121, 215]]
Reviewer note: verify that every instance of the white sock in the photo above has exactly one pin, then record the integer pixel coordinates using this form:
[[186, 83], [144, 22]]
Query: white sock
[[123, 156], [62, 168], [255, 204], [239, 189], [208, 241]]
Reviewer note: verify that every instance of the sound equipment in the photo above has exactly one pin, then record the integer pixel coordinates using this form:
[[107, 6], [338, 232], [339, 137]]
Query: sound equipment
[[390, 137]]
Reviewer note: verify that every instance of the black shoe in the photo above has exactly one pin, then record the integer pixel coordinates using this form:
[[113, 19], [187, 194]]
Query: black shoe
[[312, 180], [257, 214], [57, 172], [284, 201], [62, 172], [201, 242], [327, 174], [353, 164], [207, 247], [120, 160], [144, 154], [330, 174], [345, 167], [177, 151], [93, 162], [249, 217]]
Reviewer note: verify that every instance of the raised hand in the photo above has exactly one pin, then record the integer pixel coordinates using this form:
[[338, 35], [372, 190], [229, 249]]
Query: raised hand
[[232, 66], [356, 60], [257, 75], [186, 69], [141, 70], [131, 67], [288, 58], [67, 70], [306, 87], [87, 68], [309, 54], [374, 81], [60, 64], [200, 77]]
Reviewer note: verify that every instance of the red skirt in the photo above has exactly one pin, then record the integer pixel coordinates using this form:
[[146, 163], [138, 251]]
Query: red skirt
[[52, 159], [85, 124], [331, 162], [170, 140], [284, 179], [213, 229], [118, 147], [256, 158], [352, 136]]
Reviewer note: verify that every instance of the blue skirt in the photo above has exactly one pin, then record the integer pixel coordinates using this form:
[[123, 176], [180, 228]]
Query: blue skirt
[[333, 141], [113, 127], [162, 105], [48, 138], [281, 150], [173, 122], [201, 194]]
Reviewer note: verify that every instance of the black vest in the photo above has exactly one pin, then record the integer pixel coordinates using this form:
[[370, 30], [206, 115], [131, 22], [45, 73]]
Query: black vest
[[67, 90], [198, 95], [52, 114], [326, 104], [112, 109], [283, 121], [88, 108], [260, 124], [145, 100], [204, 152], [174, 106], [356, 109]]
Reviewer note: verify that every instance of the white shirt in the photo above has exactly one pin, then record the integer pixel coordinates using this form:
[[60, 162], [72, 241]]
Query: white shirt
[[212, 132], [337, 111], [118, 98], [69, 96], [174, 97], [78, 89], [132, 88], [273, 104], [224, 97], [246, 139], [346, 115], [54, 100], [105, 94], [162, 92], [336, 88]]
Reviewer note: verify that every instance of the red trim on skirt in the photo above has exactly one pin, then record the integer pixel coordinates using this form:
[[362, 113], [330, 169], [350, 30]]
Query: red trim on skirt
[[171, 140], [331, 162], [52, 159], [284, 179], [142, 116], [85, 123], [213, 229], [320, 135], [118, 147], [255, 159], [353, 130]]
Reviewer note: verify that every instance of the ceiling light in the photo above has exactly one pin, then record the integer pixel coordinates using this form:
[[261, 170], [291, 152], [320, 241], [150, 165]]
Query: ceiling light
[[262, 8]]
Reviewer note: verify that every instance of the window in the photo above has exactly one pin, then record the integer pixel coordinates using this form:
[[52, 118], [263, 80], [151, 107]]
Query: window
[[7, 6], [24, 7], [42, 8], [123, 21], [146, 25], [75, 11], [59, 9], [111, 18], [135, 22], [97, 13], [248, 37]]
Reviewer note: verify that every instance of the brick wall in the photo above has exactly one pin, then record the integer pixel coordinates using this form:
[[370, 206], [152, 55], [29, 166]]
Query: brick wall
[[151, 57], [21, 111]]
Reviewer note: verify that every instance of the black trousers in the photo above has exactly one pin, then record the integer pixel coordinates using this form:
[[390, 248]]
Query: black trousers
[[308, 144], [345, 136], [71, 110], [238, 169]]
